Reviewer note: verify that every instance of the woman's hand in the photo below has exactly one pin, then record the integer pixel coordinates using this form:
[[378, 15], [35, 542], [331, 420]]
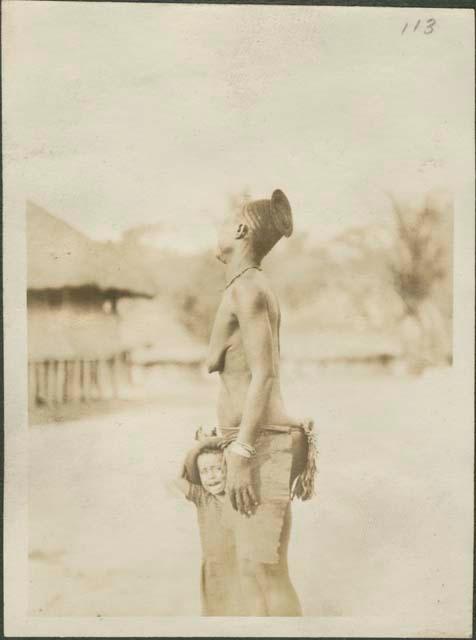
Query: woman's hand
[[212, 442], [239, 485]]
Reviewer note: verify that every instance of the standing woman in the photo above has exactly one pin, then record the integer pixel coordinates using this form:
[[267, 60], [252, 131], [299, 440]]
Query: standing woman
[[271, 456]]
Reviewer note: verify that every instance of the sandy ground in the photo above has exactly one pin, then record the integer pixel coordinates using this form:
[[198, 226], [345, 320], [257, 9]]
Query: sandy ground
[[388, 534]]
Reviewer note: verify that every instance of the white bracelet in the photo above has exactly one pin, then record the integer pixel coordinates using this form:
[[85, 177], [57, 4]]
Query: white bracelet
[[249, 448], [242, 449]]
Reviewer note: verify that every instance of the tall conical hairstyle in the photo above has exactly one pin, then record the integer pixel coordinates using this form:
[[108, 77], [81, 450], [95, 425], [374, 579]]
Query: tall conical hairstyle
[[281, 213]]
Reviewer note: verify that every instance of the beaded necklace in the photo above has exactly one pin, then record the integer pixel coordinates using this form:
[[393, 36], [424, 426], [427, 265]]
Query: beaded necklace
[[240, 274]]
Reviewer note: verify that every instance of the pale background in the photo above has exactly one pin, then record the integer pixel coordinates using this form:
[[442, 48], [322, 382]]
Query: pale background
[[122, 116]]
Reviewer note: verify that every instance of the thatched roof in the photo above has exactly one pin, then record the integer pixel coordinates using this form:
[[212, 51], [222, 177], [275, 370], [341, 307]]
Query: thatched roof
[[65, 334], [60, 256]]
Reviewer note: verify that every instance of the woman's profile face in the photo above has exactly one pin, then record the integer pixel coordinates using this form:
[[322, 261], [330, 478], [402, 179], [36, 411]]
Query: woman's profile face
[[226, 237]]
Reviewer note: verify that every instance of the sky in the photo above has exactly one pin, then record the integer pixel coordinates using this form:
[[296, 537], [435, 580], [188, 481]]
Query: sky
[[118, 115]]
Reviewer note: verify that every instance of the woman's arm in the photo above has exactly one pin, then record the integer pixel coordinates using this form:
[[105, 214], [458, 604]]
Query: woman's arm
[[251, 308]]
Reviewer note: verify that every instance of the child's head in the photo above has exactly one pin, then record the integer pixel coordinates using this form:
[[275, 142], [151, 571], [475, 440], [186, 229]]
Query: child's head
[[211, 469]]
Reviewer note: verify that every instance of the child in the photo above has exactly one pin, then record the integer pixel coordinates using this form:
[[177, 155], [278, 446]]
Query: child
[[202, 481], [202, 477]]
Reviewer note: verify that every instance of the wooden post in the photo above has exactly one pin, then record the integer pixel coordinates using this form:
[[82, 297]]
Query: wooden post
[[66, 381], [95, 381], [44, 386], [100, 379], [82, 396], [77, 380], [47, 379], [38, 377], [56, 379], [122, 370], [61, 381], [87, 380], [52, 382], [73, 380], [114, 377], [128, 363]]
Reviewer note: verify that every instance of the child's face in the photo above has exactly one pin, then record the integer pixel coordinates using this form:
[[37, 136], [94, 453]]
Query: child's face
[[212, 472]]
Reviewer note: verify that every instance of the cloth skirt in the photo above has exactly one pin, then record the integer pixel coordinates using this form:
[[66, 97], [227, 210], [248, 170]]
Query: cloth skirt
[[257, 538]]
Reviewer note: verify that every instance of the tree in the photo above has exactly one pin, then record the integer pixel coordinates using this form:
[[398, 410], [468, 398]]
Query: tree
[[421, 267]]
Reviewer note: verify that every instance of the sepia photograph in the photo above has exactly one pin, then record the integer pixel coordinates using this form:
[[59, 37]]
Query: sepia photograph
[[239, 320]]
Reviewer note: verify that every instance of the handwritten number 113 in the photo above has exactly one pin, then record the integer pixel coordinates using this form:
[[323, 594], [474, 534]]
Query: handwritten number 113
[[427, 26]]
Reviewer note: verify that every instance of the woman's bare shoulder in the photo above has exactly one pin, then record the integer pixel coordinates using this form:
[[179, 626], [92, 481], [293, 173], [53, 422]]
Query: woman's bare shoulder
[[252, 289]]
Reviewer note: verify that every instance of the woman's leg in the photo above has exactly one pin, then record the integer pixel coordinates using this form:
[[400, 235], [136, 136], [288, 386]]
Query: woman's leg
[[251, 580], [267, 587], [281, 597]]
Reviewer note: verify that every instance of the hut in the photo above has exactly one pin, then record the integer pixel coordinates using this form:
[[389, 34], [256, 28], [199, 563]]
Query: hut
[[157, 337], [75, 351]]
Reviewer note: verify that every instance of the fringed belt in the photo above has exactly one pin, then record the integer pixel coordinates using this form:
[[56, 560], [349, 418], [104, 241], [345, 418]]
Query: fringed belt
[[303, 485]]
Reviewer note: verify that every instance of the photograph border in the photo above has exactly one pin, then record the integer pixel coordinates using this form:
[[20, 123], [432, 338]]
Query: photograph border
[[6, 372]]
